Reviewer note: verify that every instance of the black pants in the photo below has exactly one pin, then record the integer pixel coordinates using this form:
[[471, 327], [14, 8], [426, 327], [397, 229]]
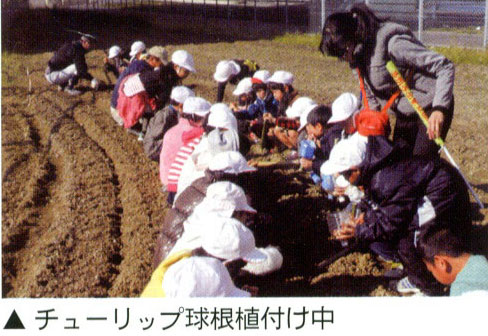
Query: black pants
[[413, 131], [415, 268]]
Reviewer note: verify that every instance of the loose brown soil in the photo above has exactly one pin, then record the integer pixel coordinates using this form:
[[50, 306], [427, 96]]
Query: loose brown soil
[[82, 205]]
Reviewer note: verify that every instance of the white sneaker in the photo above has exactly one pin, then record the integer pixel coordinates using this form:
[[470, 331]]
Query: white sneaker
[[140, 137], [404, 286], [72, 92]]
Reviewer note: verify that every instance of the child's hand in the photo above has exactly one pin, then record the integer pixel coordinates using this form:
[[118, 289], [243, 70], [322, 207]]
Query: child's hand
[[268, 117], [360, 219], [339, 191], [346, 231], [306, 164]]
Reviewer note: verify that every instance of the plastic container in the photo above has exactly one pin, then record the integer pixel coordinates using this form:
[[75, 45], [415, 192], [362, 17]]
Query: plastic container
[[335, 221], [307, 149]]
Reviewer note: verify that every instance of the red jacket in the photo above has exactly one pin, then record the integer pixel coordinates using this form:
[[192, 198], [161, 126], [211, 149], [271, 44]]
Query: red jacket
[[132, 108]]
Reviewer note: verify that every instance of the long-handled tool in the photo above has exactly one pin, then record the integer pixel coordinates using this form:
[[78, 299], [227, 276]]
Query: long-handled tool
[[402, 84]]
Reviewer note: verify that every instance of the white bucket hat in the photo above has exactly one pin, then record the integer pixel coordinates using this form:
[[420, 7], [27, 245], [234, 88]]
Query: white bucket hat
[[229, 239], [181, 93], [225, 70], [137, 47], [159, 52], [184, 59], [304, 116], [244, 86], [281, 77], [230, 162], [200, 277], [224, 198], [261, 77], [343, 107], [221, 116], [196, 105], [114, 51], [345, 154], [299, 106]]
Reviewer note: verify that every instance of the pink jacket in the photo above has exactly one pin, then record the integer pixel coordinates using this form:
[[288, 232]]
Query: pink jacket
[[132, 108], [174, 138]]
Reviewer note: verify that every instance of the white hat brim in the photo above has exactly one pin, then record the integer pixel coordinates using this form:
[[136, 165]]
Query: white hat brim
[[247, 208], [219, 78], [255, 256]]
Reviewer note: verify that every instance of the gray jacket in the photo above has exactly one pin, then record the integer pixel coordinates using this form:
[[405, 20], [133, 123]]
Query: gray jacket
[[433, 74], [162, 121]]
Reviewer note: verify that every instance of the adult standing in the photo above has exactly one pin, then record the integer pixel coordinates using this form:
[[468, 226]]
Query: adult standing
[[68, 65], [367, 43]]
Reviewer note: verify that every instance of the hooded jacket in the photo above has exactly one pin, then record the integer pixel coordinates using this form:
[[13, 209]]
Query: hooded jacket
[[158, 125], [402, 195], [433, 74]]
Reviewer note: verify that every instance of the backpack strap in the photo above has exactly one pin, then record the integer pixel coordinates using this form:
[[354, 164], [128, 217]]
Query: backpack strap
[[392, 98]]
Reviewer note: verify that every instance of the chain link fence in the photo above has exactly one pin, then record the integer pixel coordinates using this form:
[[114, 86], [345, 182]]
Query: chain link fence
[[437, 22]]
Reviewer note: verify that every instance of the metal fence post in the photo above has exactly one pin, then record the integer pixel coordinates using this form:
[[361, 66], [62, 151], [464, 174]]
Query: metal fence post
[[286, 16], [322, 14], [421, 19], [485, 37]]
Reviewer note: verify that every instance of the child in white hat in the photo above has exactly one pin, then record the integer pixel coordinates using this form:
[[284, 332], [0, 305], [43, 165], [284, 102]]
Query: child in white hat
[[163, 120], [226, 166], [220, 135], [245, 96], [232, 71], [137, 50], [192, 276], [114, 62], [187, 132]]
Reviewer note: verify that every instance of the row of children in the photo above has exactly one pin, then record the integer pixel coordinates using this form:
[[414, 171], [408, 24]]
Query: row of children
[[400, 199], [412, 209], [200, 150]]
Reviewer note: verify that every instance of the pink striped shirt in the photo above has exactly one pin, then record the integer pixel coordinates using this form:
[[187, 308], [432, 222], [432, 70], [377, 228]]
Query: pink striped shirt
[[175, 169]]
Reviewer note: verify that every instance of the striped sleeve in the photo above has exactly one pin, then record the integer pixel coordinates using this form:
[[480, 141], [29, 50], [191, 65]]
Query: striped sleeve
[[176, 166]]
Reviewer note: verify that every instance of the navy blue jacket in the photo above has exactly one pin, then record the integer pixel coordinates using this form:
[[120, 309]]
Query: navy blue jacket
[[327, 141], [395, 187], [258, 108]]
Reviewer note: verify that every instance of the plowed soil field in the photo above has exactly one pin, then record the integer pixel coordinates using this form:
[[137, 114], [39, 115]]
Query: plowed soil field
[[82, 205]]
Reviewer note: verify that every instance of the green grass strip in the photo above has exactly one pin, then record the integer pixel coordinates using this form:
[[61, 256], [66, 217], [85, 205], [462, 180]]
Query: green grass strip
[[456, 54]]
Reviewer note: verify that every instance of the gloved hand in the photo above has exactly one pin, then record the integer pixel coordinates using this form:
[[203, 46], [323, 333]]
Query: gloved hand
[[95, 84]]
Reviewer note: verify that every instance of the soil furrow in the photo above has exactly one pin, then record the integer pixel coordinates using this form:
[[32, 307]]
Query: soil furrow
[[142, 203], [72, 253]]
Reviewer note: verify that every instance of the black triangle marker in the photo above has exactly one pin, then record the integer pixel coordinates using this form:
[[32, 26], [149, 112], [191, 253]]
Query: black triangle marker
[[14, 322]]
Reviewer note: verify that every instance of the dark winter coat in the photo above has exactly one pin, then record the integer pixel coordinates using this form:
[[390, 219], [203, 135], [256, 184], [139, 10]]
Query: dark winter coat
[[396, 187], [159, 83], [69, 53], [327, 142]]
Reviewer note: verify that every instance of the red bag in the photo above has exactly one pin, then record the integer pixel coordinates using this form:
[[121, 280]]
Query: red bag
[[370, 122]]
